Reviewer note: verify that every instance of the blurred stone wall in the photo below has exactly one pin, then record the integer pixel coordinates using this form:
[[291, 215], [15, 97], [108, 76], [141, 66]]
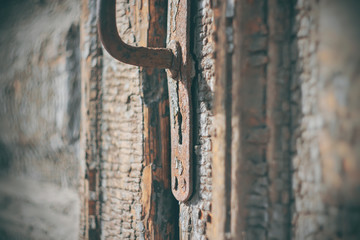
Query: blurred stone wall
[[39, 119], [326, 120]]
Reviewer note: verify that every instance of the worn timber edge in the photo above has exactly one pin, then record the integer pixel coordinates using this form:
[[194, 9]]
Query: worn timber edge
[[160, 208]]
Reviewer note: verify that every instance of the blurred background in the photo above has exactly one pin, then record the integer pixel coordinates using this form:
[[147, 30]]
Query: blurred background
[[40, 100]]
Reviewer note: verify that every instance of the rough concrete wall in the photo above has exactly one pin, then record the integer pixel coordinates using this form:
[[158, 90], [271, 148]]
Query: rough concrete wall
[[39, 119], [326, 116], [122, 136], [195, 215]]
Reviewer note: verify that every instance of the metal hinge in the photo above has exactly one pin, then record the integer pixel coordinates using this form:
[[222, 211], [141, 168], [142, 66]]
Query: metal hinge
[[177, 60]]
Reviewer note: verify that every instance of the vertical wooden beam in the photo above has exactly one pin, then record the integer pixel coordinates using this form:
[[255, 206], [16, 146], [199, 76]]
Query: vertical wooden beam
[[221, 203], [279, 22], [160, 209], [251, 156]]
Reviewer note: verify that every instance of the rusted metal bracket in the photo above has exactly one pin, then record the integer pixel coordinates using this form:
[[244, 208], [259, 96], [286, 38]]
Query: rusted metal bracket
[[179, 85], [177, 60]]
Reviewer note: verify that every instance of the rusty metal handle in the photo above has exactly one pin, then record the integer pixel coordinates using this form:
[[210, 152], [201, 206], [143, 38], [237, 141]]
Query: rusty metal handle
[[138, 56]]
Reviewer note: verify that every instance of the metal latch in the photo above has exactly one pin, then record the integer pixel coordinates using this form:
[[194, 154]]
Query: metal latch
[[177, 60]]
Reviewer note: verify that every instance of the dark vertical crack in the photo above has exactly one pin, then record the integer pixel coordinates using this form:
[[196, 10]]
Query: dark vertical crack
[[6, 156], [228, 129], [179, 115], [292, 120], [194, 91], [73, 70]]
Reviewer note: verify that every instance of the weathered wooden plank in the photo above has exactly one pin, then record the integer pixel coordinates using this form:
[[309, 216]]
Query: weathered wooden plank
[[252, 154], [160, 209]]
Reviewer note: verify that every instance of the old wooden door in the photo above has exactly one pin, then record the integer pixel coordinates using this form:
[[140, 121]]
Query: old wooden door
[[256, 162]]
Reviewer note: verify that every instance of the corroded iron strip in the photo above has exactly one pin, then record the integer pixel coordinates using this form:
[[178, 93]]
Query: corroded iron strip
[[179, 86]]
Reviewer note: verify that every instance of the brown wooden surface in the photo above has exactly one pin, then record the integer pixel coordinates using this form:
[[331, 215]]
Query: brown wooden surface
[[251, 155], [160, 209], [221, 146]]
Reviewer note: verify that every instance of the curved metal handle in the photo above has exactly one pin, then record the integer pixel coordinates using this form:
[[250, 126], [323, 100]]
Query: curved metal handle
[[138, 56]]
